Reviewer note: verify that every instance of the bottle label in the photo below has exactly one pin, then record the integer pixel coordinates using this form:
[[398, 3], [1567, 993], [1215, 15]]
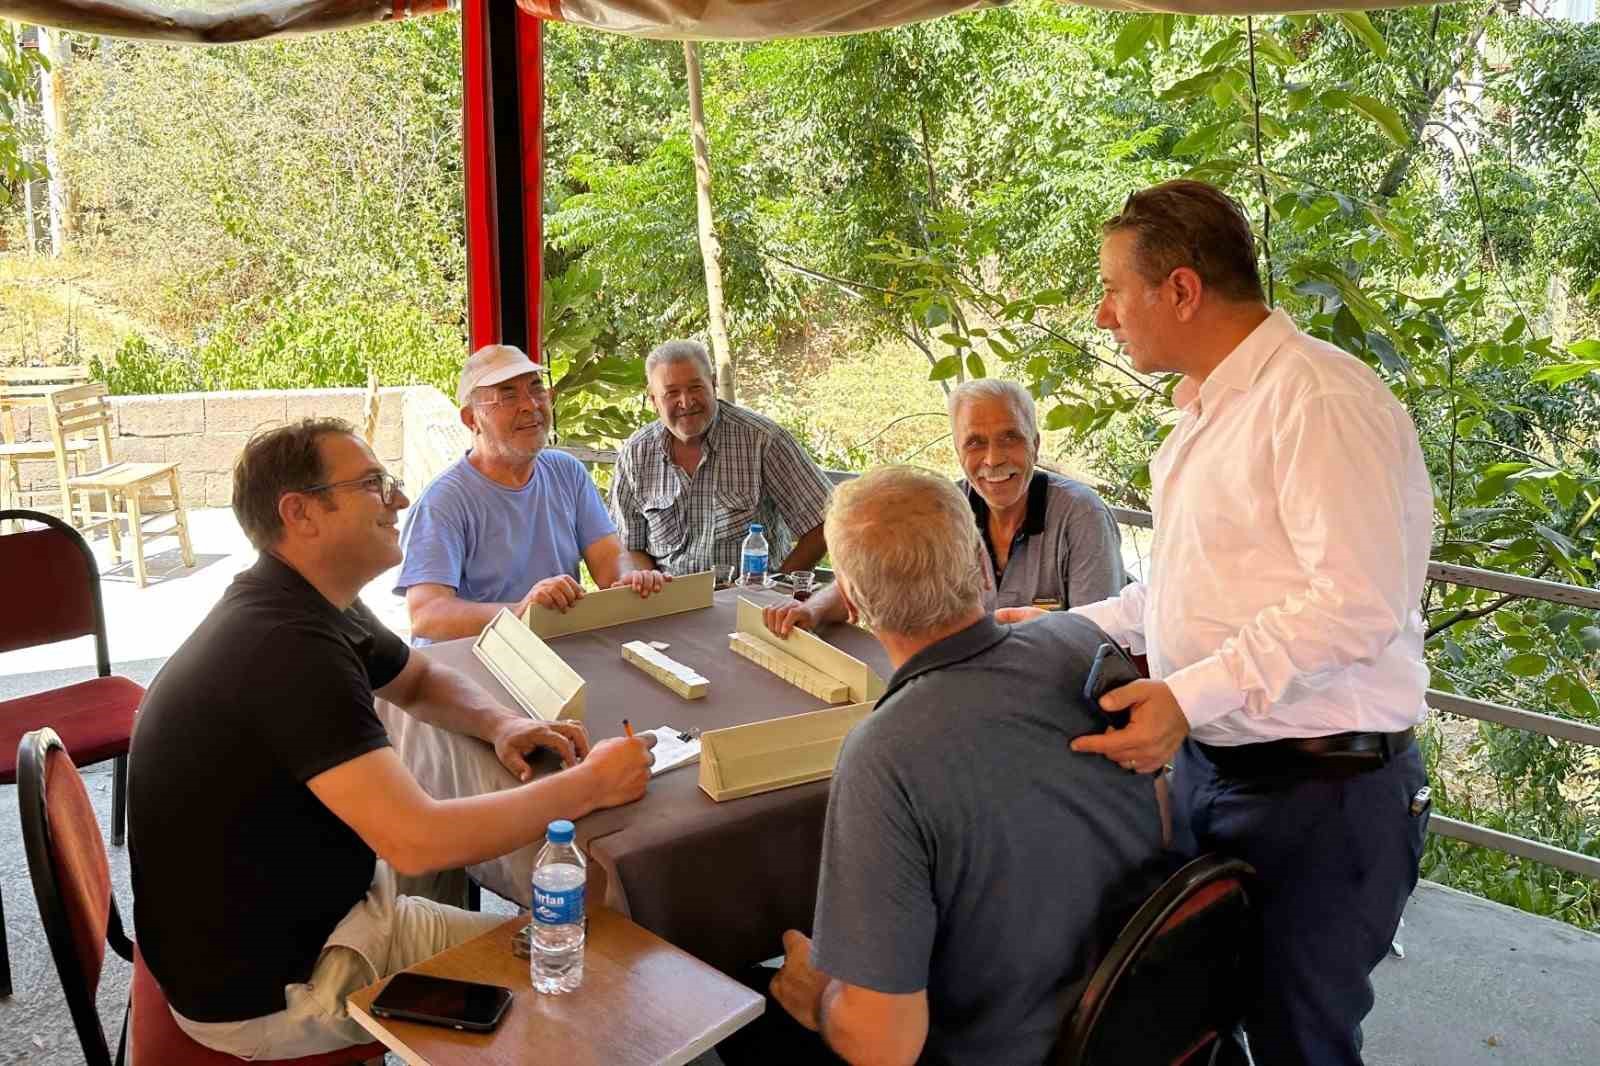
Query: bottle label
[[755, 565], [558, 907]]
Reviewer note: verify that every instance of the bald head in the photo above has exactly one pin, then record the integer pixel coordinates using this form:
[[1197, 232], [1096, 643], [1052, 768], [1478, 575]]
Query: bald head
[[906, 549]]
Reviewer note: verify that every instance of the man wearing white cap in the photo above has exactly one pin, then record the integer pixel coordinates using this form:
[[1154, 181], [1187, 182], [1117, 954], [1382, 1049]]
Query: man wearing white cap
[[507, 523]]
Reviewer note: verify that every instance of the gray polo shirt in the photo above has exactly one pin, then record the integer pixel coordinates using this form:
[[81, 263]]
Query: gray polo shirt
[[1068, 551], [970, 852]]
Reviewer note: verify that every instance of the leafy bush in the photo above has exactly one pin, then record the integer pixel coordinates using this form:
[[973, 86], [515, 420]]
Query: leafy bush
[[303, 344]]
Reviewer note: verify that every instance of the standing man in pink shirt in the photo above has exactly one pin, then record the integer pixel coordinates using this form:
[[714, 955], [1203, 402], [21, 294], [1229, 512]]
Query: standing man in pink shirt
[[1282, 620]]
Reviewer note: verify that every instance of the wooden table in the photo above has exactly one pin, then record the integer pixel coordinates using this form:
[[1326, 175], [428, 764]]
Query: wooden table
[[720, 880], [642, 1001]]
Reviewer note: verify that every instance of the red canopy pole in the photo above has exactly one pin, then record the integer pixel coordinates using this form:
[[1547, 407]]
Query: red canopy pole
[[502, 58], [530, 82], [483, 249]]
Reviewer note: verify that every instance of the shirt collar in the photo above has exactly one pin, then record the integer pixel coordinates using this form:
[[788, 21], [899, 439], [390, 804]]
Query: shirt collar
[[969, 643], [1038, 499], [272, 571], [1242, 366]]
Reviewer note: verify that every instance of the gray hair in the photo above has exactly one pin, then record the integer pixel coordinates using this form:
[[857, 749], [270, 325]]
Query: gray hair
[[1010, 392], [679, 351], [905, 545]]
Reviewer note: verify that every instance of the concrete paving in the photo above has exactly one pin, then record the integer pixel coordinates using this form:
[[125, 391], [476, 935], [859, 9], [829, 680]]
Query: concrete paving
[[1485, 985], [1480, 983]]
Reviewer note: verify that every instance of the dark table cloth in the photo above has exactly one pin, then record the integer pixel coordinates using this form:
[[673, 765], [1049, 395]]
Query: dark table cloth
[[720, 880]]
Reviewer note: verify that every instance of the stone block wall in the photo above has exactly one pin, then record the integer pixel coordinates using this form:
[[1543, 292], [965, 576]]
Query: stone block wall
[[204, 431], [433, 437]]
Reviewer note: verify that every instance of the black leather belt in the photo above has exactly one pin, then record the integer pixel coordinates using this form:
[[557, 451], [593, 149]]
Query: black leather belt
[[1334, 756]]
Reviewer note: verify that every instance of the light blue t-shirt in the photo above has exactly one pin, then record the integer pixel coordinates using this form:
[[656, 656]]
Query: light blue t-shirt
[[491, 543]]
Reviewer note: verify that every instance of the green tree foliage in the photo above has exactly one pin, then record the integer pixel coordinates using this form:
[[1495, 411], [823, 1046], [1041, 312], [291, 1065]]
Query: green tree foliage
[[1424, 183], [19, 91]]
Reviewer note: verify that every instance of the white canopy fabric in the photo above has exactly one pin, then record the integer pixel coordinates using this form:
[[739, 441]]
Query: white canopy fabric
[[671, 19], [763, 19]]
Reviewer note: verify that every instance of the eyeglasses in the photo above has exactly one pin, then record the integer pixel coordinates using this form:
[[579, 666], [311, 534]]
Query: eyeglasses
[[509, 395], [387, 486]]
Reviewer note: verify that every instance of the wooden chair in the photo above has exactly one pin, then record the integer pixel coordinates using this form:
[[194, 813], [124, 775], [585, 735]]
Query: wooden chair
[[1177, 979], [84, 411], [53, 594], [26, 387], [72, 882]]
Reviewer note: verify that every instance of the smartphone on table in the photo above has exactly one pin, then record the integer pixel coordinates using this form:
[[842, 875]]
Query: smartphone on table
[[416, 997]]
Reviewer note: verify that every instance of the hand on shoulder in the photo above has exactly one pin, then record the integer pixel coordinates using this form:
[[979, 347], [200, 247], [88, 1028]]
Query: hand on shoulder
[[1018, 615]]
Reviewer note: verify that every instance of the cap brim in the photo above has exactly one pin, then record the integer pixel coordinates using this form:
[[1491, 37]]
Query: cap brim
[[496, 376]]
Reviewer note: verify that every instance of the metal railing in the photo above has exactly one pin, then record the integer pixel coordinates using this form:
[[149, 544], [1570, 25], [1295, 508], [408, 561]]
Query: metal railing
[[1498, 713], [1449, 702]]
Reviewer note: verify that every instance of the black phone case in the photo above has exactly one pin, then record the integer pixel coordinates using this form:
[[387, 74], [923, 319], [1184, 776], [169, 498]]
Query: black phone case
[[1111, 670], [442, 1021]]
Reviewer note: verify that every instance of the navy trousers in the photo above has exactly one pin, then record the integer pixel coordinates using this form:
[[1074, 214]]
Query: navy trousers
[[1337, 861]]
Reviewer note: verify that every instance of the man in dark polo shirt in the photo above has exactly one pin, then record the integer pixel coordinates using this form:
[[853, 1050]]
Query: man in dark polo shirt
[[1049, 541], [968, 852], [264, 788]]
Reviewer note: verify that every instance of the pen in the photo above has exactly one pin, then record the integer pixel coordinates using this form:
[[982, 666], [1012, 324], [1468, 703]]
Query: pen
[[627, 727]]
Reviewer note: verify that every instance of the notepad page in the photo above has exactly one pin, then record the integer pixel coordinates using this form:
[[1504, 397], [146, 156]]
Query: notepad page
[[671, 752]]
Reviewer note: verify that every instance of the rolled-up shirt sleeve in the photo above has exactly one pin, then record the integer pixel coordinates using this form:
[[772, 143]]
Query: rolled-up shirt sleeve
[[1340, 475], [795, 484], [631, 524]]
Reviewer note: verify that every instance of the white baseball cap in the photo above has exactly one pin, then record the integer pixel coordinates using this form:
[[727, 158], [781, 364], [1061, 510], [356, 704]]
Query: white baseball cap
[[490, 365]]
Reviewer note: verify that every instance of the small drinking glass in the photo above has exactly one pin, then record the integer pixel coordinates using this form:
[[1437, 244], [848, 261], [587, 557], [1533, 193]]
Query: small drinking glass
[[722, 576], [803, 581]]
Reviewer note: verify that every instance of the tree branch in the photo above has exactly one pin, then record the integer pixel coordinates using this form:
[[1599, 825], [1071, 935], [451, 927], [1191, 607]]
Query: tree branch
[[1266, 199], [852, 288], [1468, 613], [1395, 176]]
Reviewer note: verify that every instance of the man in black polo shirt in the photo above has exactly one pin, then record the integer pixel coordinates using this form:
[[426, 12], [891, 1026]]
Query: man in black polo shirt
[[1049, 541], [968, 853], [264, 787]]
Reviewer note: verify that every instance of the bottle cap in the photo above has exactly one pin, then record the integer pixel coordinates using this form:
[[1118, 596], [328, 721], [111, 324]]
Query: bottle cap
[[757, 527], [559, 832]]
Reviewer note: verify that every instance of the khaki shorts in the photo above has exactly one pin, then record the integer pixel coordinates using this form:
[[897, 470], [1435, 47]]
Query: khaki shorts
[[383, 934]]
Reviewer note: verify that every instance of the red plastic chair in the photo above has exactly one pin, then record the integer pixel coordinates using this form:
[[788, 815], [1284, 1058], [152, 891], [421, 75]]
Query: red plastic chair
[[72, 882], [52, 588], [1178, 978]]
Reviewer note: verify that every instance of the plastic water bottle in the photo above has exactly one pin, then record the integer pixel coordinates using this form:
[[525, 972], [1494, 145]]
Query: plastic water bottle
[[555, 947], [753, 558]]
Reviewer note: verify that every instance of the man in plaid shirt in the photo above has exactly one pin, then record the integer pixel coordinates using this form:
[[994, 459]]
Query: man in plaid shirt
[[688, 487]]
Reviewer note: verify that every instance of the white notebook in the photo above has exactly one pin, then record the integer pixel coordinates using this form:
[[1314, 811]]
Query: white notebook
[[671, 752]]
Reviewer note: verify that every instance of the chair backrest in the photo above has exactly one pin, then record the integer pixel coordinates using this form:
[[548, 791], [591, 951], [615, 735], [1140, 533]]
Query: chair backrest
[[71, 879], [1179, 976], [27, 385], [81, 411], [52, 585]]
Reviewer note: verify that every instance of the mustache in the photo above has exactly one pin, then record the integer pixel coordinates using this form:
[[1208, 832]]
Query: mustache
[[689, 411]]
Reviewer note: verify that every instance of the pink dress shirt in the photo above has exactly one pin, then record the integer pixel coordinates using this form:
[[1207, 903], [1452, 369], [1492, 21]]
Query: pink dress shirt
[[1293, 522]]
